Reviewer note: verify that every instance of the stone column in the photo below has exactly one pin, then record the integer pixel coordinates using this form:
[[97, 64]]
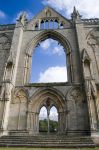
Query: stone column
[[33, 123], [36, 123], [28, 121], [81, 44], [62, 124], [15, 51]]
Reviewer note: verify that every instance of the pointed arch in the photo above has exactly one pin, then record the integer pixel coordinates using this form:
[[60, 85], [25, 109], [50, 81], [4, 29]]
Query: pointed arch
[[87, 68], [23, 90], [19, 105], [85, 56], [37, 99], [43, 36], [29, 49]]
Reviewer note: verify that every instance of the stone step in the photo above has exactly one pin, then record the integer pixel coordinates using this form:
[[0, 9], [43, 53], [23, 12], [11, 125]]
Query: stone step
[[48, 145], [51, 141], [46, 141]]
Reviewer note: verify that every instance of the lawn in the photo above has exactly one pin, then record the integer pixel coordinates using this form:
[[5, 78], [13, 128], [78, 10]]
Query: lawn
[[48, 149]]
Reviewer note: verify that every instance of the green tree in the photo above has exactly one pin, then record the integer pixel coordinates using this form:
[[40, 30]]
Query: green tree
[[43, 125]]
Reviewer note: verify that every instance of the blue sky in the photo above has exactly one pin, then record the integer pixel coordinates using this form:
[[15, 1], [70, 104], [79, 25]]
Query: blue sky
[[49, 62], [10, 9], [13, 7]]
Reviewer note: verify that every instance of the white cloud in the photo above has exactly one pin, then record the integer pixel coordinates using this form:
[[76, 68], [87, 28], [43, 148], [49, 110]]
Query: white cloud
[[53, 74], [43, 113], [29, 15], [46, 44], [88, 8], [58, 50], [2, 14], [51, 46]]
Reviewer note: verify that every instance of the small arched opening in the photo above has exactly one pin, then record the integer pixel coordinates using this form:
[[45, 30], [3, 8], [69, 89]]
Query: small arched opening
[[53, 117], [43, 123], [48, 118]]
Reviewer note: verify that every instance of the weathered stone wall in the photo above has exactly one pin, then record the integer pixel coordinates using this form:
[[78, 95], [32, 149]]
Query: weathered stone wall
[[26, 100], [6, 35], [76, 101]]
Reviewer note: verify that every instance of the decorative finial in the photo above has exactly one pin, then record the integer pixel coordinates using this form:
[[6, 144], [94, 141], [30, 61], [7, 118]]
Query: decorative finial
[[75, 15], [22, 18]]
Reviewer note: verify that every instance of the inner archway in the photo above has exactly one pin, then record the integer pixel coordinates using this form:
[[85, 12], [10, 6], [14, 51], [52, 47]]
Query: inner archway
[[46, 98]]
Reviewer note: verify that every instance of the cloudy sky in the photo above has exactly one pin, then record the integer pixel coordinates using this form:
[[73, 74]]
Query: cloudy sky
[[9, 10], [49, 61]]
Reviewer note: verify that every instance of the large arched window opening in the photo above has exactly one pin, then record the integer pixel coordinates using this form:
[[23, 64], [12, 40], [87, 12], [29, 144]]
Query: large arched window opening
[[49, 63]]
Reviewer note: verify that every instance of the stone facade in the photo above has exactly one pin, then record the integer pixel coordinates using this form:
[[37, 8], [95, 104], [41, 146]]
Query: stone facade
[[77, 101]]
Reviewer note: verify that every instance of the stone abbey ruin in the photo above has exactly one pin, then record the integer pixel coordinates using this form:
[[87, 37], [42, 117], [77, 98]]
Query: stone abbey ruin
[[76, 100]]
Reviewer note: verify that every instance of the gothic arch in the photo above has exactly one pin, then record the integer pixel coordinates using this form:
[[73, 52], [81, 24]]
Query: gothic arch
[[38, 99], [72, 90], [91, 32], [23, 90], [75, 106], [41, 37], [85, 56], [87, 65], [19, 104], [41, 95], [93, 46]]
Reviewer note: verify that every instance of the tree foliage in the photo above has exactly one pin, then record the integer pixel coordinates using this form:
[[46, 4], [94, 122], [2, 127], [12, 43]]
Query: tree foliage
[[43, 125]]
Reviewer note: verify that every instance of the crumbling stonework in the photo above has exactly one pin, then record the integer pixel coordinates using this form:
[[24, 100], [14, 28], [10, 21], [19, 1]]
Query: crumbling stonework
[[77, 101]]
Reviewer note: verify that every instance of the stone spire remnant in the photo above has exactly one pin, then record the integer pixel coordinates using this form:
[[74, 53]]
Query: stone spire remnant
[[22, 18], [75, 15]]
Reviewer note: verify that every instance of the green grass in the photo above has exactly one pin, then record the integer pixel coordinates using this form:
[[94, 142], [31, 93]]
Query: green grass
[[48, 149]]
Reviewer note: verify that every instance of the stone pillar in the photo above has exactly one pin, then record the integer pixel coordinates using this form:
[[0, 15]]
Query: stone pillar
[[62, 124], [15, 51], [36, 123], [28, 121], [33, 123], [81, 44], [28, 62], [92, 111]]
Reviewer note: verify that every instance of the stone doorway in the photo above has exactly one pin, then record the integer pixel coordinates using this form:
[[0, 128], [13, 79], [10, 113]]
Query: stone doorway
[[46, 98]]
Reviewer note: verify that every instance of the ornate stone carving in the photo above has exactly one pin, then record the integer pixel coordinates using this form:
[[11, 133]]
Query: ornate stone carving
[[93, 39], [22, 18], [76, 95], [20, 97], [5, 91]]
